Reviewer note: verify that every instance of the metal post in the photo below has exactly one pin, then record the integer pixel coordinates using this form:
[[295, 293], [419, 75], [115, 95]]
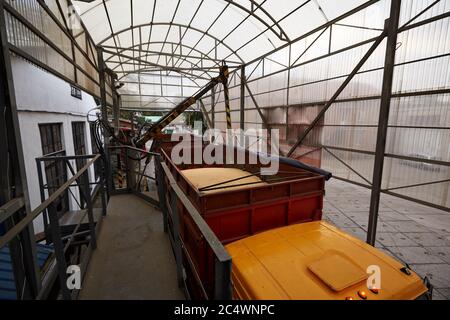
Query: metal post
[[116, 107], [128, 168], [288, 96], [103, 190], [13, 181], [90, 214], [132, 122], [243, 80], [59, 251], [104, 111], [162, 189], [391, 26], [176, 236], [226, 95], [42, 193], [213, 106], [222, 283]]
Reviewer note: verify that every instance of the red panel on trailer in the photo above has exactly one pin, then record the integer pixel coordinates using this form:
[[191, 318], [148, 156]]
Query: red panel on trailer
[[269, 217], [294, 195]]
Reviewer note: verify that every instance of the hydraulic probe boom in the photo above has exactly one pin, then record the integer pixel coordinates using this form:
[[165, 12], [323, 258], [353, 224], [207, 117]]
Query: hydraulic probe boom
[[156, 128]]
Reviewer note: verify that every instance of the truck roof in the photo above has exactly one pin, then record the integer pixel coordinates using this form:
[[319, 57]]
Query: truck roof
[[315, 260]]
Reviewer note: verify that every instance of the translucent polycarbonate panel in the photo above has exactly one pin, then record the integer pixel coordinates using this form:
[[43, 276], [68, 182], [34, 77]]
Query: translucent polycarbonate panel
[[108, 90], [216, 27], [41, 20], [252, 117], [50, 42], [189, 91], [353, 113], [29, 9], [359, 138], [425, 41], [399, 173], [275, 115], [269, 83], [129, 88], [310, 15], [303, 115], [421, 111], [87, 83], [24, 39], [339, 163], [424, 75], [431, 144], [412, 8], [150, 89], [109, 99], [85, 64]]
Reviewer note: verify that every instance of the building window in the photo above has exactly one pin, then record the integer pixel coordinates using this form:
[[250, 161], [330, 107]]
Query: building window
[[79, 142], [51, 138], [55, 171], [97, 164]]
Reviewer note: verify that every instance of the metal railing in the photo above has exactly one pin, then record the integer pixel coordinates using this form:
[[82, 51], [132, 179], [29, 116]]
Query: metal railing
[[143, 173], [133, 171], [58, 265], [171, 196]]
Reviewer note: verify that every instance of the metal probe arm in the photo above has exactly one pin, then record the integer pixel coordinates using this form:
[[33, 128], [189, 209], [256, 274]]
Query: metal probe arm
[[155, 129]]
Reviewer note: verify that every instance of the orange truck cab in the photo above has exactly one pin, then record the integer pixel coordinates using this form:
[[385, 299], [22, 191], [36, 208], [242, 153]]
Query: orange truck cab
[[317, 261]]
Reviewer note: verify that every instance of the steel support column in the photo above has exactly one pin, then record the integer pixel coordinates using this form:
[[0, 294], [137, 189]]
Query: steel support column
[[242, 101], [104, 111], [13, 183], [386, 94], [213, 107], [226, 95], [116, 113]]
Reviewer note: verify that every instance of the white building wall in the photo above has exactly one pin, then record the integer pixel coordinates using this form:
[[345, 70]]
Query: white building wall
[[44, 98]]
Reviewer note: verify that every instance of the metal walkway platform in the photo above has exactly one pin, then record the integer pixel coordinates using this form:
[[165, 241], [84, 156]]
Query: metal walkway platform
[[134, 259]]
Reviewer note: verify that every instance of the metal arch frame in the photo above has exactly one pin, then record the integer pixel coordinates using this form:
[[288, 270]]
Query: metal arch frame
[[264, 31], [140, 61], [181, 72], [205, 57], [147, 69], [131, 28], [190, 76], [184, 58], [157, 84], [110, 25], [255, 6], [280, 33]]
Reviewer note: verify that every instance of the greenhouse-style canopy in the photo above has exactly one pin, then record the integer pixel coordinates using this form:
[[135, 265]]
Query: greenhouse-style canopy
[[145, 41]]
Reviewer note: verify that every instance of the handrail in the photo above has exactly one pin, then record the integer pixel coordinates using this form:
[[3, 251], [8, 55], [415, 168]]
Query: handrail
[[134, 149], [53, 154], [14, 231], [214, 243], [10, 208], [54, 158]]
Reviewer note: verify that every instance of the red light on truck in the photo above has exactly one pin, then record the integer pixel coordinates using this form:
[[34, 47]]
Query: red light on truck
[[362, 295]]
